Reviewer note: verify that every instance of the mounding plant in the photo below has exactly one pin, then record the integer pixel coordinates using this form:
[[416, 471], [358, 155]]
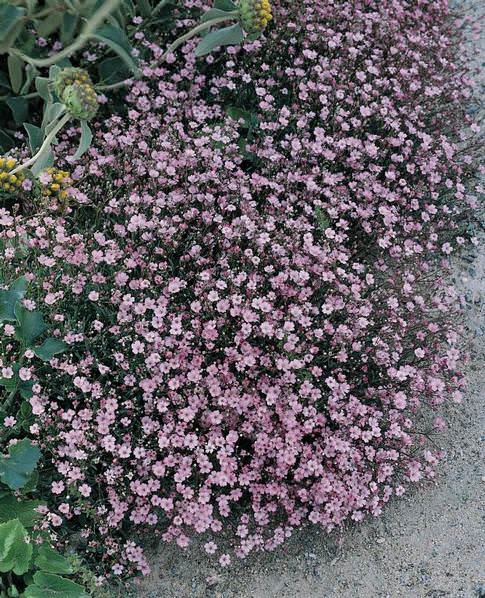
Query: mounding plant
[[245, 279]]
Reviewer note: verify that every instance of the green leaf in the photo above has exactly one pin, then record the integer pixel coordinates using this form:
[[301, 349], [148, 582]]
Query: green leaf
[[84, 142], [113, 70], [19, 284], [10, 16], [43, 162], [115, 38], [47, 585], [15, 551], [6, 142], [51, 23], [30, 74], [23, 510], [8, 300], [15, 72], [225, 5], [19, 108], [10, 383], [17, 467], [50, 560], [68, 27], [25, 388], [36, 137], [145, 7], [213, 13], [54, 70], [229, 36], [51, 116], [32, 482], [42, 87], [237, 113], [49, 348], [30, 324]]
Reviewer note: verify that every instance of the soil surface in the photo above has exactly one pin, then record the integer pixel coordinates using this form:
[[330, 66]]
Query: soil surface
[[430, 543]]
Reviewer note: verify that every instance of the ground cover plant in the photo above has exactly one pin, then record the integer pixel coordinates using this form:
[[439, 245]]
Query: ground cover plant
[[242, 271]]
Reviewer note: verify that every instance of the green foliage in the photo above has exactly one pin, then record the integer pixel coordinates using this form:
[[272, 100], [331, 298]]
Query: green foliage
[[108, 24], [30, 325], [228, 36], [24, 510], [74, 24], [28, 560], [48, 585], [49, 348], [15, 550], [50, 561], [29, 565], [17, 467]]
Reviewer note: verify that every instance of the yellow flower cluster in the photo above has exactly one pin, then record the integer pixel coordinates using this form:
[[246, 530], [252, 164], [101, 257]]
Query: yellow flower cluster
[[9, 182], [69, 76], [55, 189], [254, 15], [75, 89], [263, 12]]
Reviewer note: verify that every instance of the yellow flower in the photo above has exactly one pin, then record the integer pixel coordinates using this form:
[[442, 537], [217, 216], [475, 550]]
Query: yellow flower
[[254, 15], [10, 182], [68, 76], [55, 192]]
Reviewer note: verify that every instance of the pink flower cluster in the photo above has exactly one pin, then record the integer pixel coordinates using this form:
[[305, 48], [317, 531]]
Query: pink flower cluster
[[258, 336]]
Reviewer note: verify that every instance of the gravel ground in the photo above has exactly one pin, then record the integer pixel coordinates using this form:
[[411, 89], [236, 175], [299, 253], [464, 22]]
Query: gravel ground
[[428, 544]]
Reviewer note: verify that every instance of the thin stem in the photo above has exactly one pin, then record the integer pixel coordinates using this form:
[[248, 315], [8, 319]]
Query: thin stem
[[44, 13], [112, 85], [229, 16], [99, 16], [44, 146], [9, 399]]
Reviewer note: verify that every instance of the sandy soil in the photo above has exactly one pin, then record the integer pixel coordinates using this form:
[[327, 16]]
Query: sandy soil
[[428, 544]]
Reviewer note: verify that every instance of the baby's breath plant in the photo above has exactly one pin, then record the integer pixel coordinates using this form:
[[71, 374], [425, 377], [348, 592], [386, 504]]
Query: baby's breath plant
[[257, 335]]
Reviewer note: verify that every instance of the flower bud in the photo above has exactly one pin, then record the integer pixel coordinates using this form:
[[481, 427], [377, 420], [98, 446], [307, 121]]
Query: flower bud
[[68, 76], [254, 15], [80, 100]]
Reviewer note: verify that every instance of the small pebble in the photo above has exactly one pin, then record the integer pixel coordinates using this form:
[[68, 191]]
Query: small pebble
[[480, 590]]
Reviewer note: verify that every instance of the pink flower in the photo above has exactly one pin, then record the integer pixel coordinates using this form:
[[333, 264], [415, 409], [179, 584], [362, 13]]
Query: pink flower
[[85, 490], [25, 374], [57, 487]]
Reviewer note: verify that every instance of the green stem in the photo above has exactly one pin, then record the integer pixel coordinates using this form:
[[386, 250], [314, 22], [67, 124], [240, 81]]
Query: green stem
[[112, 85], [229, 16], [45, 146], [90, 27], [10, 399], [44, 13], [27, 96]]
